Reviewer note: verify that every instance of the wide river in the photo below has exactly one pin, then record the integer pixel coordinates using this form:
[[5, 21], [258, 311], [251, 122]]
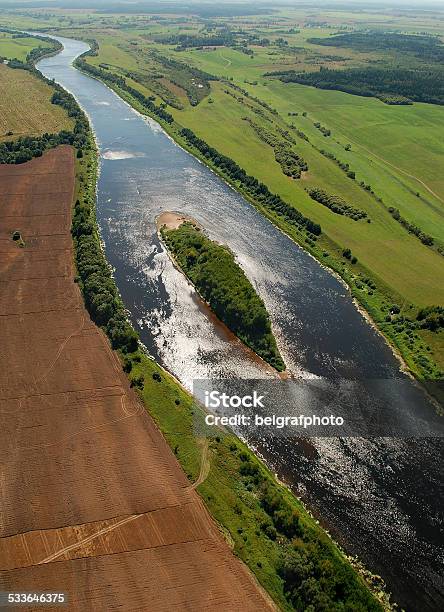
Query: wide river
[[381, 498]]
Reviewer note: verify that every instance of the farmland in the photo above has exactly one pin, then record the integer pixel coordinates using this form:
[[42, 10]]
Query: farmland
[[58, 370], [40, 116], [18, 48]]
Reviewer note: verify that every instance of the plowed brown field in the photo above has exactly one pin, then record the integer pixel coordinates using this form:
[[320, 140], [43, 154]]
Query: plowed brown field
[[93, 501]]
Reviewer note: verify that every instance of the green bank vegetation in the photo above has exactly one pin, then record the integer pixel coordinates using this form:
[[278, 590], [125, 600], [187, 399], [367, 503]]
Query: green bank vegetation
[[222, 283], [269, 529]]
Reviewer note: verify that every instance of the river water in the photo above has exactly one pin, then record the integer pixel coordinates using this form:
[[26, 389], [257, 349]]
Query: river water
[[381, 498]]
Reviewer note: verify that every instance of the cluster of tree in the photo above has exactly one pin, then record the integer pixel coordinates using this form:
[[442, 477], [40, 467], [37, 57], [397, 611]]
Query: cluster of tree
[[99, 289], [427, 48], [299, 132], [315, 580], [410, 227], [325, 131], [393, 100], [290, 162], [214, 37], [398, 85], [348, 255], [269, 108], [37, 53], [243, 49], [67, 101], [25, 148], [194, 81], [115, 79], [187, 41], [431, 318], [336, 204], [222, 283], [251, 185], [314, 574], [344, 166]]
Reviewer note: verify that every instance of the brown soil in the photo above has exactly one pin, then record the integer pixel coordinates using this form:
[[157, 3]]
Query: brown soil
[[93, 501], [173, 220]]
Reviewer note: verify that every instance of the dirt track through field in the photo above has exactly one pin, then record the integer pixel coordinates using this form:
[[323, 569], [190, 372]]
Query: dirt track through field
[[93, 501]]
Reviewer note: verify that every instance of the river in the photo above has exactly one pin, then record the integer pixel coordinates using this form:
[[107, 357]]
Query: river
[[381, 498]]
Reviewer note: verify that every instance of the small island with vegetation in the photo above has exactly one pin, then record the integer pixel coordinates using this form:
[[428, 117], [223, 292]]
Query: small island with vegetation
[[220, 281]]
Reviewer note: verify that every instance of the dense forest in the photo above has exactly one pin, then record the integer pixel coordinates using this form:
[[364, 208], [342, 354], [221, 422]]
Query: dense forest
[[252, 186], [222, 283], [392, 86], [427, 48]]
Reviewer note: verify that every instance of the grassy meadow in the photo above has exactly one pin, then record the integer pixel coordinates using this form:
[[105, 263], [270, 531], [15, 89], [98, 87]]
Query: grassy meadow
[[41, 116], [18, 48]]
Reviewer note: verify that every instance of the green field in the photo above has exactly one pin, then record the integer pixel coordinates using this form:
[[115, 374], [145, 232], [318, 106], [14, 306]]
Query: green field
[[41, 116], [18, 47], [382, 246]]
